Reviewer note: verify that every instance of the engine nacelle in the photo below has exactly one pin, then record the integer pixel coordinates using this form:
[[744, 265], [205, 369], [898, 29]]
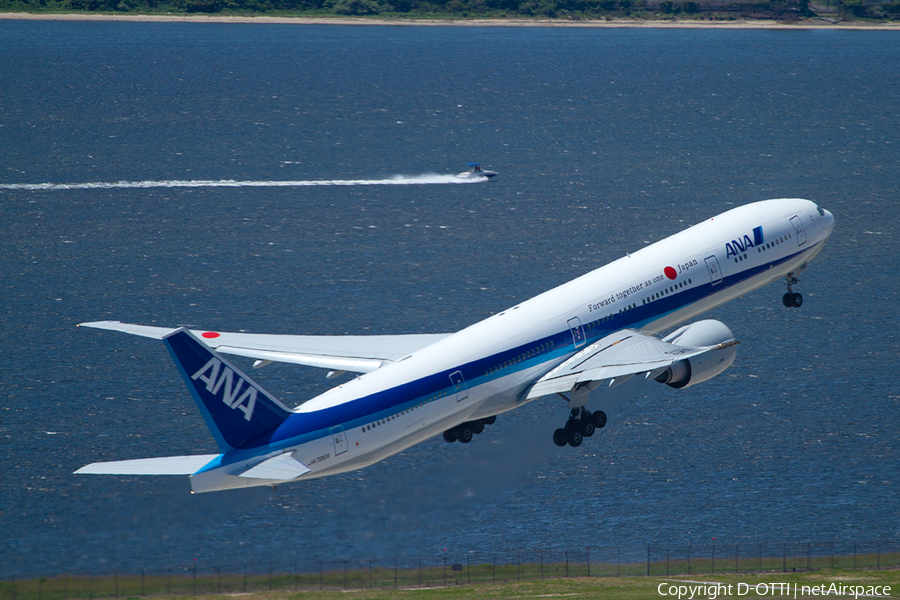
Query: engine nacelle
[[697, 369]]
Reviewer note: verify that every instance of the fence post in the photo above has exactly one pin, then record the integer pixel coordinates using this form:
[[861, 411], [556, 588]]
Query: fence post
[[345, 574], [714, 555], [618, 562], [648, 559], [518, 565], [395, 572], [370, 574], [760, 556], [854, 555], [689, 558], [567, 563], [245, 577], [807, 555], [589, 561], [468, 572], [445, 568], [194, 580], [667, 560], [784, 557], [321, 576], [542, 563], [494, 567], [832, 555], [40, 585], [735, 558], [878, 555]]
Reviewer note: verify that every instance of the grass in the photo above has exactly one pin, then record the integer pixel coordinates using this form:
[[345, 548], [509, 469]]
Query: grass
[[329, 585]]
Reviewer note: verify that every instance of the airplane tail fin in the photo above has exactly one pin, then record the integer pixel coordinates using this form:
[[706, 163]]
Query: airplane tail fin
[[237, 411]]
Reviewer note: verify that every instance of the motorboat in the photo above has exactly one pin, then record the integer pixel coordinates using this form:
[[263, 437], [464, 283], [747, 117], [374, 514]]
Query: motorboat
[[476, 172]]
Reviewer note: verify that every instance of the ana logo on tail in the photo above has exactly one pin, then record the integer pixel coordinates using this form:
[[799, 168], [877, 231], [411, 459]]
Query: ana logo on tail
[[231, 392]]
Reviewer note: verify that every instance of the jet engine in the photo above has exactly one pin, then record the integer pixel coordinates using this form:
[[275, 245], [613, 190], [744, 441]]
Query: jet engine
[[697, 369]]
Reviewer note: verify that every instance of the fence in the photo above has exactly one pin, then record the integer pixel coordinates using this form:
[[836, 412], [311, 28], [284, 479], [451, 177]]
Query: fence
[[451, 569]]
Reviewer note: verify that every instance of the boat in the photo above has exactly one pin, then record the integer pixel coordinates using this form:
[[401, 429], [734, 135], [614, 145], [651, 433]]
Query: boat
[[476, 173]]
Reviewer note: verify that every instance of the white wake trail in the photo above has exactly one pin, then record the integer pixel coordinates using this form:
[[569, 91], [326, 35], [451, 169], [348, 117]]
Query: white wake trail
[[196, 183]]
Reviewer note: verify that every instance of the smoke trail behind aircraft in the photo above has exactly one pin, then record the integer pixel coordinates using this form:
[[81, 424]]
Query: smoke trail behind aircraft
[[101, 185]]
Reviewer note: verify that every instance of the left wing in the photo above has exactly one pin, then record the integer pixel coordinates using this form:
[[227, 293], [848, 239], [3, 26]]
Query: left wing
[[614, 359], [355, 353]]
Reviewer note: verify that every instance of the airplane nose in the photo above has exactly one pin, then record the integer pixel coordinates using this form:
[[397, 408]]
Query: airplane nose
[[828, 221]]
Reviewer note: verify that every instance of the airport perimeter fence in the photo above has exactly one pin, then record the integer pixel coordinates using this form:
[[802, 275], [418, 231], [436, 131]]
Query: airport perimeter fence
[[200, 577]]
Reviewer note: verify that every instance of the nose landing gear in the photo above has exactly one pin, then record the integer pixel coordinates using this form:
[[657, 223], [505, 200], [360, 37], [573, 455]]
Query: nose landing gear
[[792, 299], [581, 424]]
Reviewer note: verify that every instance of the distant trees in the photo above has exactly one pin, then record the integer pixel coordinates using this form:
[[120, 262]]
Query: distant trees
[[673, 8], [560, 9]]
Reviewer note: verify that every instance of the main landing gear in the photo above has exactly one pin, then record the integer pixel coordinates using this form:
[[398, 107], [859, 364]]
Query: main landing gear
[[581, 424], [792, 299], [466, 431]]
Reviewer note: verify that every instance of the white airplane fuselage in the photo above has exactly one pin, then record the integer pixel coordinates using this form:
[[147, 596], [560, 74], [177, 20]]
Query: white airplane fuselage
[[487, 368]]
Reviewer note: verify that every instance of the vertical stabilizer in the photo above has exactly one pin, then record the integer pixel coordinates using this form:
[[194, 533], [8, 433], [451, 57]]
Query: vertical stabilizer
[[237, 410]]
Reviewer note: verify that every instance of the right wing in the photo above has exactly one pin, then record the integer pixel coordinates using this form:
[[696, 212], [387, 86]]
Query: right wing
[[355, 353], [614, 359]]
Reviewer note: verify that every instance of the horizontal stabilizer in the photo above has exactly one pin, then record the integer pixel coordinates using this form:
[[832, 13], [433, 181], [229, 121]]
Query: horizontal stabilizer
[[168, 465], [282, 467]]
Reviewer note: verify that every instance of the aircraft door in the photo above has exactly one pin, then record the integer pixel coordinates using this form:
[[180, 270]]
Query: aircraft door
[[797, 224], [577, 331], [715, 274], [339, 437], [459, 385]]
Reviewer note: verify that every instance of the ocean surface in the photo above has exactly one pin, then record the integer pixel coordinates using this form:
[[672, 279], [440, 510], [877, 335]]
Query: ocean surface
[[605, 140]]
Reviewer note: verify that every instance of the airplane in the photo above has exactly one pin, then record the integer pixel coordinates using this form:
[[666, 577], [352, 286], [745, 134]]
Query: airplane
[[592, 333]]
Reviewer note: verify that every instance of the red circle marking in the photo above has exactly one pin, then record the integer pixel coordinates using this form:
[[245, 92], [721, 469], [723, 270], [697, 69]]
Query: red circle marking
[[670, 272], [210, 335]]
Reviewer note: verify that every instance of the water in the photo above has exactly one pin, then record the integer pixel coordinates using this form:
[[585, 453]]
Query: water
[[605, 140]]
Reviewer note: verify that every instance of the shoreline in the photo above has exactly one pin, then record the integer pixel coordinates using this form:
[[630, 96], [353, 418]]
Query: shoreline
[[596, 23]]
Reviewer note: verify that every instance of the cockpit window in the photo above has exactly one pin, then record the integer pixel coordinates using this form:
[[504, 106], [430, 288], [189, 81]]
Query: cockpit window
[[821, 212]]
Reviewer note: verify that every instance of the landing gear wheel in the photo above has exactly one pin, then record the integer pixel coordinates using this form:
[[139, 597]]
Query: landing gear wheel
[[792, 300], [587, 428], [575, 438], [489, 420], [450, 436], [465, 435], [560, 438], [599, 419], [573, 433], [477, 426]]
